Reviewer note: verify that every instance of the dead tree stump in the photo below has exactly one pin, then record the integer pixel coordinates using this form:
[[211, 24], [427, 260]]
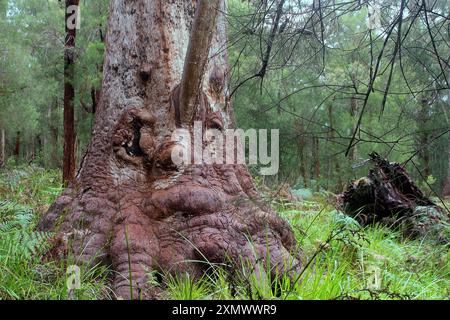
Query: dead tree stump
[[390, 197]]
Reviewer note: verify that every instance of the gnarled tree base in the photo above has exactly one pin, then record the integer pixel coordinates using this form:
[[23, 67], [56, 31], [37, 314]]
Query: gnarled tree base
[[131, 207], [207, 216]]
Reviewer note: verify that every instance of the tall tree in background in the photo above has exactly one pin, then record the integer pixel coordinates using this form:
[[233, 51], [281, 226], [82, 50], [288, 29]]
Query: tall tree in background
[[69, 158], [3, 8], [130, 206], [2, 147], [17, 146], [424, 136], [446, 189]]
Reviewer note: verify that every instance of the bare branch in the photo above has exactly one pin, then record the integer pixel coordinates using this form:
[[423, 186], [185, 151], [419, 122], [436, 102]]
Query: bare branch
[[196, 57]]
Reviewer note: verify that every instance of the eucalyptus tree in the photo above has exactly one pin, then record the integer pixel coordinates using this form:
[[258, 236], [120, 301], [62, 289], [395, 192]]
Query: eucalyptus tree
[[130, 205]]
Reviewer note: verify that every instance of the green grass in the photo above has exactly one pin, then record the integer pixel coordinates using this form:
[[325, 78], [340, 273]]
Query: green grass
[[342, 261], [25, 194]]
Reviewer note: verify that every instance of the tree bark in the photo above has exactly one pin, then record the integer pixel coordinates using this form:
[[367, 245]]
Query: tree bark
[[69, 159], [130, 206]]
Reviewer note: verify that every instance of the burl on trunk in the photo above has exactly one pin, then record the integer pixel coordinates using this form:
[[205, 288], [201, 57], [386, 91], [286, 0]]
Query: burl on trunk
[[130, 206]]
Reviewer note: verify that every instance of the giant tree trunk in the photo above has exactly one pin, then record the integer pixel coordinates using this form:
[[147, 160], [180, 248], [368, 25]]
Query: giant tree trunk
[[130, 206], [69, 96]]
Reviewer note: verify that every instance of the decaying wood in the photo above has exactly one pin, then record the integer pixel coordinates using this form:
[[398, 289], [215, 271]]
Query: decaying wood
[[389, 196]]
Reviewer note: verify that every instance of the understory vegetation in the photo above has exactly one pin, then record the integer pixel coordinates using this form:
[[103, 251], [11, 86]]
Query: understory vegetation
[[341, 260]]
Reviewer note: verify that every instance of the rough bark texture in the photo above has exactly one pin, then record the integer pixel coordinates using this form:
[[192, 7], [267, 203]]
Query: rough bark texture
[[69, 96], [389, 196], [129, 189]]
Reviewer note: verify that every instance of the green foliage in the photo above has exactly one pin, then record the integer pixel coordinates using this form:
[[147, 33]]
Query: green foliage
[[25, 193], [309, 96], [341, 260], [307, 93]]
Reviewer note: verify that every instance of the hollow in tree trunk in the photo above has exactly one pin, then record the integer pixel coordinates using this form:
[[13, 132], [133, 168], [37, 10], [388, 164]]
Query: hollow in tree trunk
[[130, 205]]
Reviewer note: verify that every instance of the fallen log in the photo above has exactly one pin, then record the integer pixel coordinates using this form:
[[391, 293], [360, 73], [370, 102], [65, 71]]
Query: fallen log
[[387, 195]]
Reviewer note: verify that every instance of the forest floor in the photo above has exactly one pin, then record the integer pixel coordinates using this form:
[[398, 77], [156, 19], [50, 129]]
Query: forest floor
[[342, 260]]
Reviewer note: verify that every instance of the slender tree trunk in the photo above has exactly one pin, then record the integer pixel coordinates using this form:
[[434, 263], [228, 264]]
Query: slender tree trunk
[[301, 152], [54, 131], [38, 148], [2, 148], [316, 160], [353, 156], [332, 158], [446, 190], [133, 208], [17, 147], [424, 137], [69, 158]]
